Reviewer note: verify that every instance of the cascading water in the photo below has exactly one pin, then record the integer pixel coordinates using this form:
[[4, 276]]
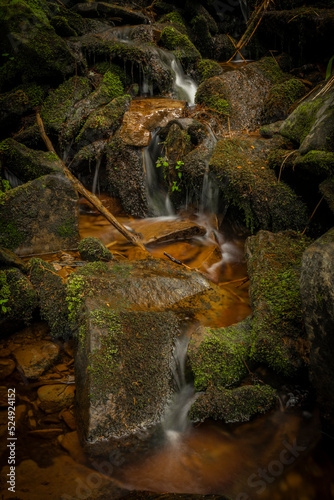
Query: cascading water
[[184, 86], [176, 420], [158, 200], [96, 176]]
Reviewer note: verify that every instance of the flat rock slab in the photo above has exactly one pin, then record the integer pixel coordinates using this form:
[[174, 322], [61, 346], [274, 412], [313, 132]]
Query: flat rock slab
[[35, 358], [145, 115], [154, 231]]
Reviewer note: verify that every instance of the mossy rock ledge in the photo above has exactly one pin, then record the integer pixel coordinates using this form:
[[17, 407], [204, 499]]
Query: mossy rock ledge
[[126, 317], [40, 216]]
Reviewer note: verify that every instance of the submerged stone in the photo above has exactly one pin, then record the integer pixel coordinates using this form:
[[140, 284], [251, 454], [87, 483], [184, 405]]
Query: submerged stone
[[40, 216], [34, 358], [317, 295]]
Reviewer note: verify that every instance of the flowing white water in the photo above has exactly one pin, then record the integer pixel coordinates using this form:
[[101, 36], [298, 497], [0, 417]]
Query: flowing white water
[[184, 86], [96, 175], [176, 419], [158, 199]]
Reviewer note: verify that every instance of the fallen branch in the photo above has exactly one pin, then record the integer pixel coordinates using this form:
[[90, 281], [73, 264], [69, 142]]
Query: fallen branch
[[177, 261], [86, 194]]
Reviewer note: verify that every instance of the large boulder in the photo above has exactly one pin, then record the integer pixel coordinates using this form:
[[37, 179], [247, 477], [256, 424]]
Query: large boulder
[[40, 216], [127, 317], [248, 185], [317, 294], [274, 266]]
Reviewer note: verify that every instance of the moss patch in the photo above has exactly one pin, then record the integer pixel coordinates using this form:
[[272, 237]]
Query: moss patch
[[213, 95], [18, 299], [281, 97], [92, 249], [207, 68], [180, 45]]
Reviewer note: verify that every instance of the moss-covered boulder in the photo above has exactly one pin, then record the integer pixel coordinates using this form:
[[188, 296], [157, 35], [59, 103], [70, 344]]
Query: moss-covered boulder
[[316, 290], [310, 126], [207, 68], [213, 95], [18, 299], [102, 123], [25, 163], [248, 184], [17, 103], [40, 216], [126, 316], [280, 99], [274, 265], [60, 103], [92, 249], [9, 259], [51, 297], [318, 163], [233, 405], [223, 47], [219, 360], [126, 177], [180, 45]]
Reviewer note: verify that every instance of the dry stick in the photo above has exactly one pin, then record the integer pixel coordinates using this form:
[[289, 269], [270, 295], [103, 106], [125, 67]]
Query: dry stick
[[177, 261], [314, 211], [86, 194], [282, 164]]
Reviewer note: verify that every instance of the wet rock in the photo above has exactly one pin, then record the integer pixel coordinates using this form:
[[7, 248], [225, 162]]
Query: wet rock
[[52, 297], [92, 249], [18, 299], [126, 178], [48, 434], [219, 359], [280, 99], [316, 289], [126, 337], [246, 182], [327, 189], [64, 477], [183, 48], [33, 359], [103, 122], [207, 68], [153, 231], [71, 443], [59, 105], [310, 126], [53, 398], [7, 366], [274, 266], [27, 164], [223, 48], [144, 116], [40, 216], [18, 103], [235, 405], [68, 418], [10, 259]]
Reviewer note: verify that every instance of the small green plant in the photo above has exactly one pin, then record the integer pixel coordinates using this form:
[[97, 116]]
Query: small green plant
[[10, 58], [329, 68], [163, 162], [3, 307]]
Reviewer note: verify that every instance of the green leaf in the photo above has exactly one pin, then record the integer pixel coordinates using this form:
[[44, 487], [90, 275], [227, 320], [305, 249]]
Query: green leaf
[[329, 68]]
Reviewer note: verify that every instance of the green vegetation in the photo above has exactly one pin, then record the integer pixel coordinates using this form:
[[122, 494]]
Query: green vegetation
[[281, 97], [207, 68], [212, 94], [92, 249], [180, 45], [18, 299]]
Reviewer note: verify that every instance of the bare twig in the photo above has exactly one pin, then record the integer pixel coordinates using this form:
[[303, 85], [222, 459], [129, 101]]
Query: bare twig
[[314, 211], [282, 164]]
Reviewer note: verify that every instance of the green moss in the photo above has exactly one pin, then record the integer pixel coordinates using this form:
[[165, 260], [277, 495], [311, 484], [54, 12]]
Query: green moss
[[207, 68], [180, 44], [112, 85], [213, 95], [250, 186], [62, 26], [92, 249], [52, 297], [10, 235], [220, 358], [67, 228], [74, 295], [271, 70], [172, 17], [59, 104], [236, 405], [280, 98], [18, 299], [201, 32], [274, 270], [317, 162], [300, 122]]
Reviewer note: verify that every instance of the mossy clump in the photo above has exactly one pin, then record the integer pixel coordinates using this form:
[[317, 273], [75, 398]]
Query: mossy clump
[[281, 97], [180, 44], [52, 297], [251, 187], [273, 262], [62, 26], [212, 94], [207, 68], [20, 100], [103, 122], [316, 162], [58, 106], [92, 249], [202, 36], [236, 405], [18, 299], [271, 70], [220, 359], [27, 164], [174, 18]]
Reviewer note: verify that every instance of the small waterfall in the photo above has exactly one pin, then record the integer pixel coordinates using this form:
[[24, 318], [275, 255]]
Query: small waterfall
[[184, 86], [176, 419], [244, 9], [158, 199], [12, 179], [96, 175], [210, 194]]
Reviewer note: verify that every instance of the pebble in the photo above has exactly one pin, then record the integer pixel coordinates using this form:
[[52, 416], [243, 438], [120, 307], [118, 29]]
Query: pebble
[[53, 398], [7, 366], [34, 359], [68, 418]]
